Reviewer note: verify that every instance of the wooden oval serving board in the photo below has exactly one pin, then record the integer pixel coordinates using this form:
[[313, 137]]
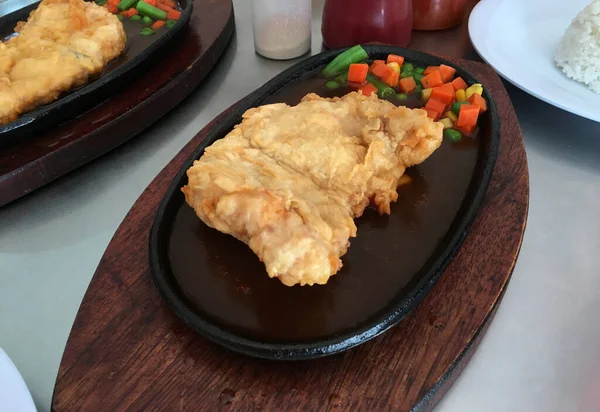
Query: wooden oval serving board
[[188, 58], [127, 350]]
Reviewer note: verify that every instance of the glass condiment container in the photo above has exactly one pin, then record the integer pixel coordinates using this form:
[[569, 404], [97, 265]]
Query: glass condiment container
[[282, 28], [350, 22], [438, 14]]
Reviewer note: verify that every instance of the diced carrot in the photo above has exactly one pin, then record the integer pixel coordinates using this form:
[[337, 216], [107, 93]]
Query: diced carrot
[[477, 100], [128, 13], [158, 24], [367, 89], [459, 84], [432, 113], [358, 72], [433, 79], [354, 85], [164, 7], [435, 105], [391, 78], [111, 8], [395, 58], [466, 130], [447, 73], [443, 93], [173, 15], [381, 70], [386, 74], [430, 69], [168, 3], [467, 116], [113, 2], [408, 85], [376, 63], [151, 2]]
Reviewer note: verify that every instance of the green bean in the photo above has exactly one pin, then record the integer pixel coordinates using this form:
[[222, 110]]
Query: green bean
[[171, 23], [146, 20], [135, 17], [383, 90], [147, 31], [101, 2], [126, 4], [151, 11], [401, 96], [342, 78], [332, 85], [453, 135], [354, 54]]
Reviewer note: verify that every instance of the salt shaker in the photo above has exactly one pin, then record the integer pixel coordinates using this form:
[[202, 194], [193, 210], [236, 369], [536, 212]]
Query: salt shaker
[[282, 28]]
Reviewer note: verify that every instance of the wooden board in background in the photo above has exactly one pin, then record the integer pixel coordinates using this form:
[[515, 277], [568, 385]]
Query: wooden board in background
[[127, 350]]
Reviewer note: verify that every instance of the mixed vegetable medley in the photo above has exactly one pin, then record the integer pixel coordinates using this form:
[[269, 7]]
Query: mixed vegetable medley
[[446, 98], [155, 14]]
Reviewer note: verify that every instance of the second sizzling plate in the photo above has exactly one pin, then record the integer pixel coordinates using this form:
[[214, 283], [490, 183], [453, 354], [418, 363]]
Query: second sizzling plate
[[139, 51], [220, 288]]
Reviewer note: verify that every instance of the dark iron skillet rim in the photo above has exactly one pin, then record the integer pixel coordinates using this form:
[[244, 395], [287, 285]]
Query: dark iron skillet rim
[[393, 312], [25, 125]]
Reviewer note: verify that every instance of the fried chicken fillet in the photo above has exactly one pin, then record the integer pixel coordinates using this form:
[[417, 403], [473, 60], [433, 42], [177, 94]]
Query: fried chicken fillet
[[62, 44], [289, 181]]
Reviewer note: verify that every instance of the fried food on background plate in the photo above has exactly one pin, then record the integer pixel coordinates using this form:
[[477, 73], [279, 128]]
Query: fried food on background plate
[[289, 180], [62, 44]]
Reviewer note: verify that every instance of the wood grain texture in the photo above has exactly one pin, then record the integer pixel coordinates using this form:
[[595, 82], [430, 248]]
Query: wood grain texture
[[183, 65], [128, 351]]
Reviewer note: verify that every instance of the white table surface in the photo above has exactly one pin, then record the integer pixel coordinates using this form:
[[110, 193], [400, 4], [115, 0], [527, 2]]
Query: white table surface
[[541, 353]]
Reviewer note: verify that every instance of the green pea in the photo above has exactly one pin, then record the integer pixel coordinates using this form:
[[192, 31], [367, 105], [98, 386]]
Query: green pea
[[418, 89], [119, 17], [388, 91], [401, 96], [171, 23], [453, 135], [147, 31], [407, 67], [332, 85], [406, 74], [418, 77], [419, 70], [135, 17], [147, 20]]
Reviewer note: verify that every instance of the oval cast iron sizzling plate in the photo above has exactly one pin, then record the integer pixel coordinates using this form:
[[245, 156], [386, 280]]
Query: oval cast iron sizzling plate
[[219, 287], [139, 52]]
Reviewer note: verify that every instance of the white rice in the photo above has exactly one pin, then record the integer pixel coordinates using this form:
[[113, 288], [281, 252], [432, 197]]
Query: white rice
[[578, 52]]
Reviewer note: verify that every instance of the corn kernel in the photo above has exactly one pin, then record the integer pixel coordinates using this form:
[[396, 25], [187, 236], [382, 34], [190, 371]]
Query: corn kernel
[[425, 94], [447, 123], [461, 96], [394, 66], [451, 115], [474, 89]]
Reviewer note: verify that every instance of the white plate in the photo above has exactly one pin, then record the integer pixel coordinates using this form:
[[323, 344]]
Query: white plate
[[518, 39], [14, 395]]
